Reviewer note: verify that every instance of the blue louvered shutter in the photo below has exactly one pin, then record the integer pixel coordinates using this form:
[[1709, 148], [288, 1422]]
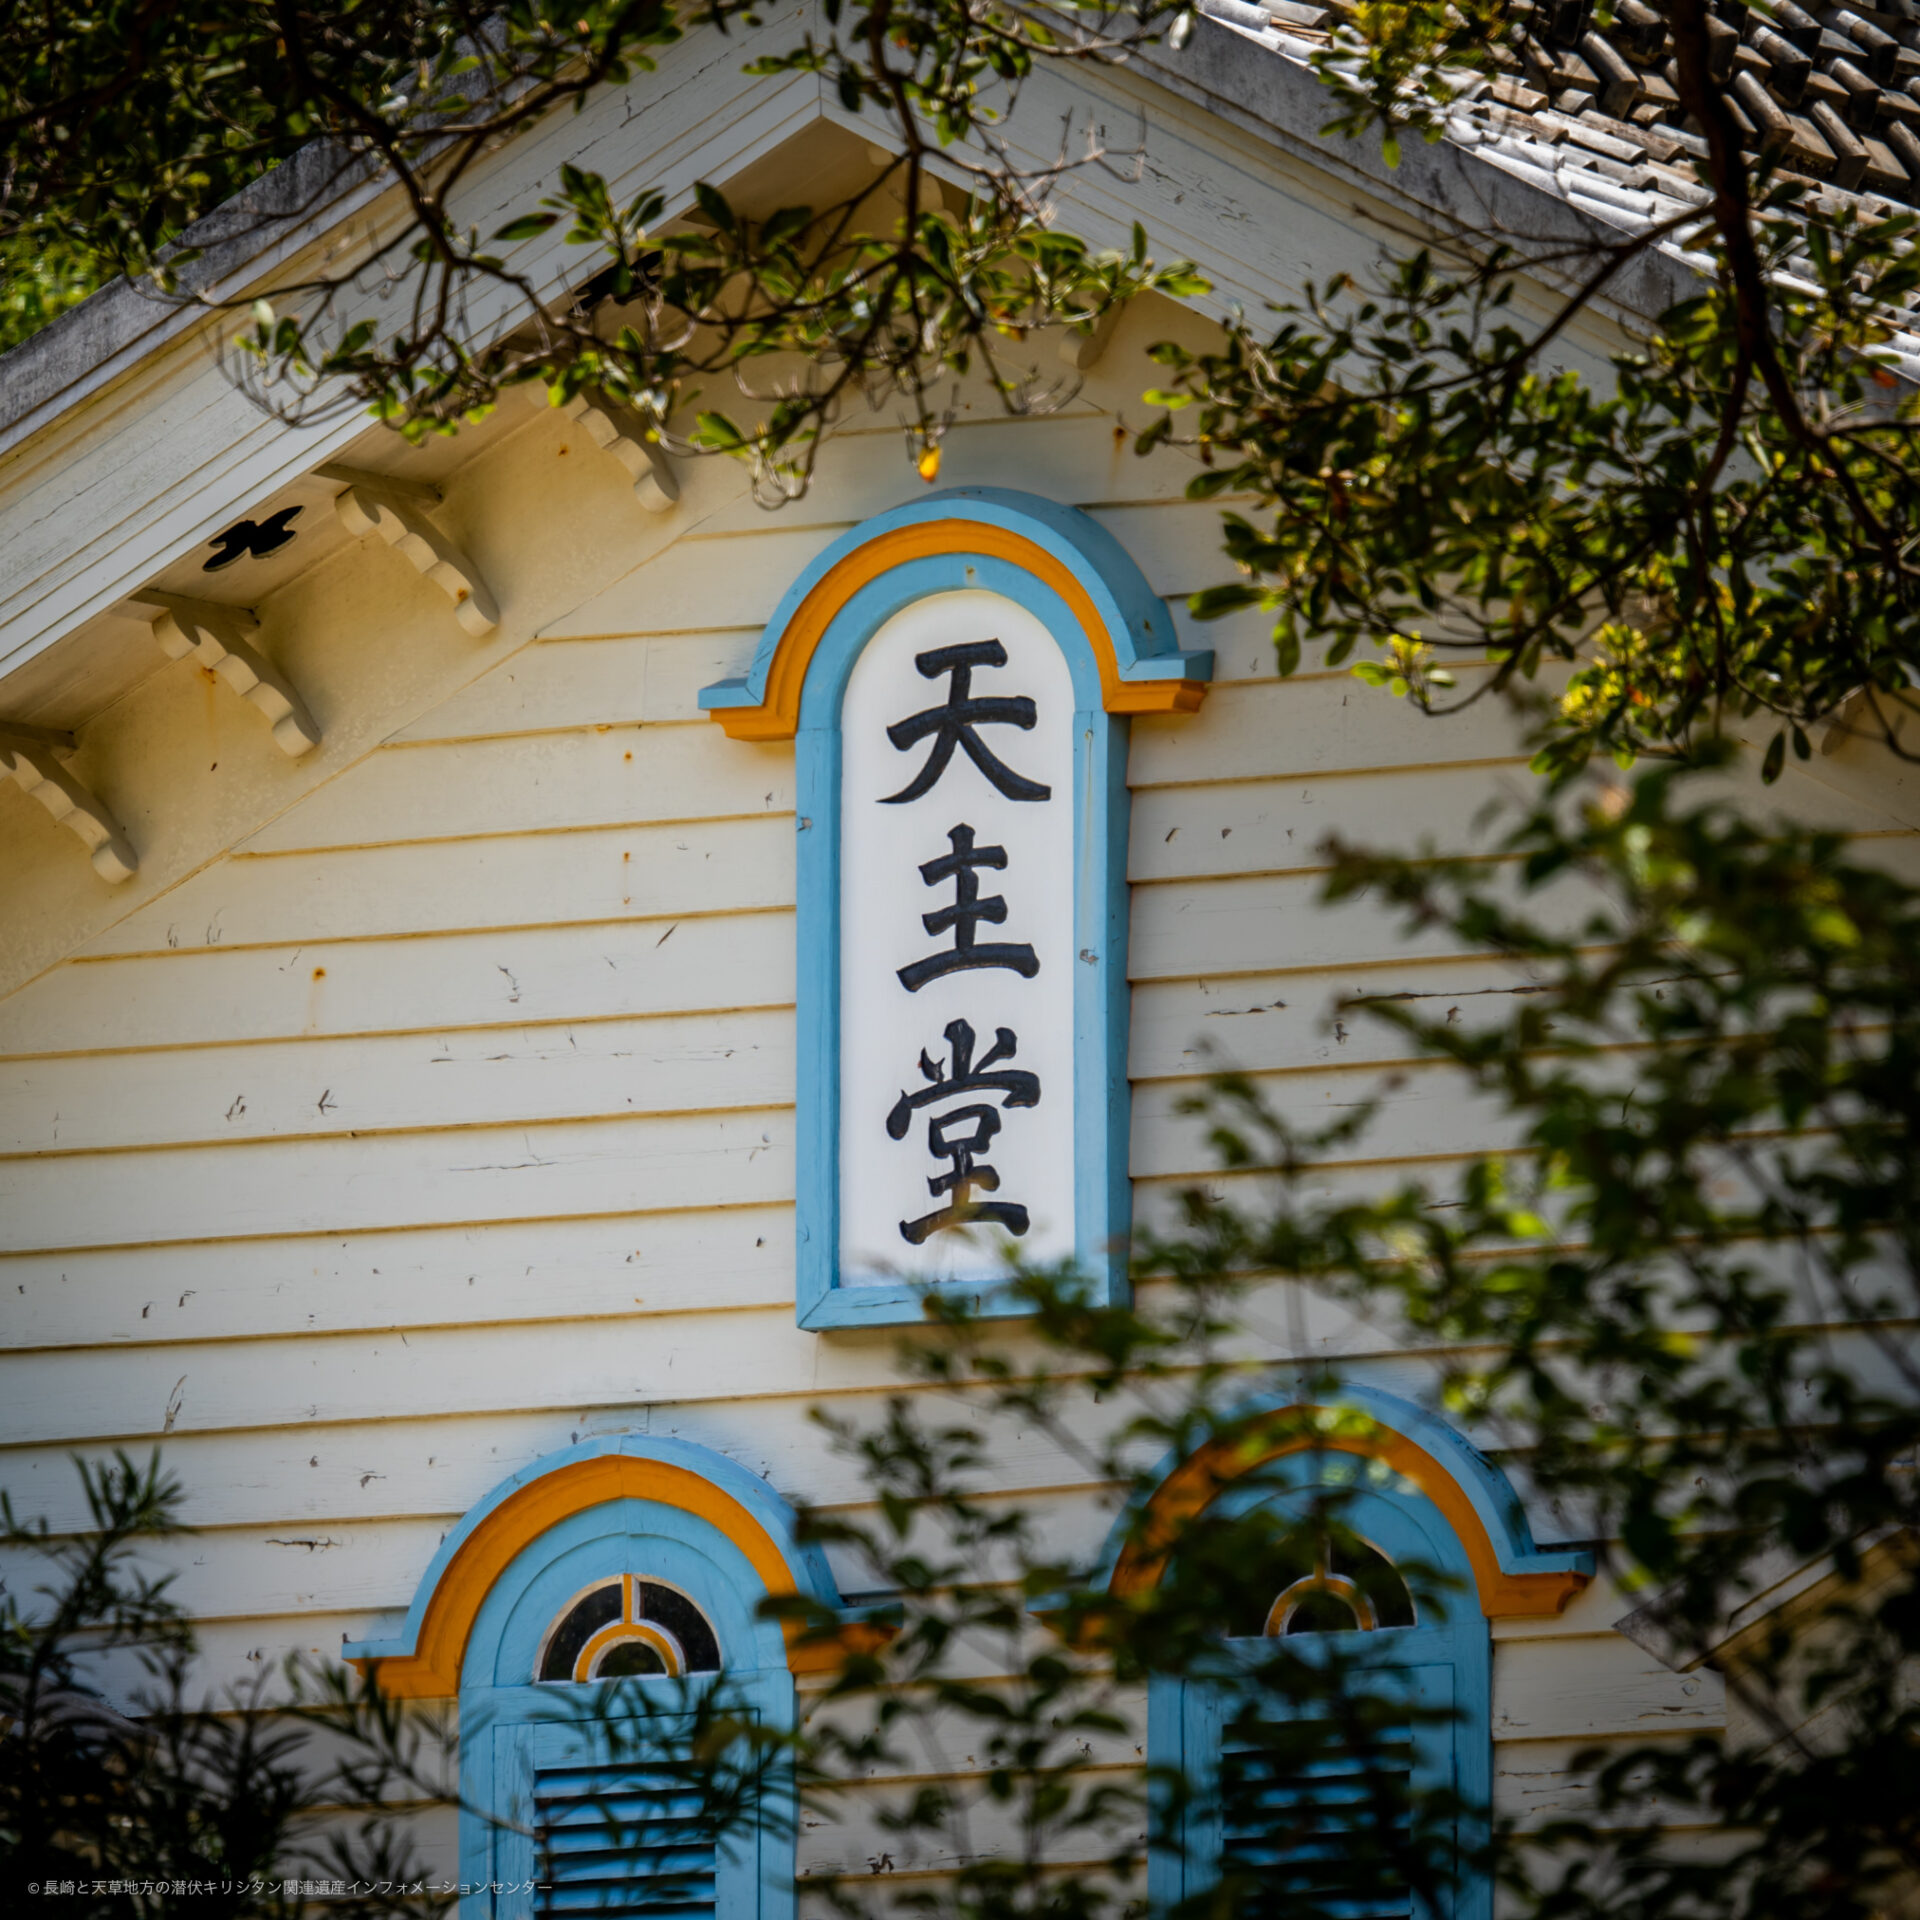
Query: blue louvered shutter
[[620, 1840], [619, 1837], [1313, 1831], [1289, 1820]]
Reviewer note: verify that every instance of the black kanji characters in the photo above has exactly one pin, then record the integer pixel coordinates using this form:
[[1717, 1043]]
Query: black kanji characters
[[963, 1134], [963, 917], [954, 724]]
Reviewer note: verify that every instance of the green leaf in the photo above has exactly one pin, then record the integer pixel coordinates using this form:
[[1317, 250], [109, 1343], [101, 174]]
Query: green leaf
[[713, 203], [526, 226]]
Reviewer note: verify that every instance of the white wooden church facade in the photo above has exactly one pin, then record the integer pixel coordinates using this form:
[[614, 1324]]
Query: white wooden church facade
[[426, 1106]]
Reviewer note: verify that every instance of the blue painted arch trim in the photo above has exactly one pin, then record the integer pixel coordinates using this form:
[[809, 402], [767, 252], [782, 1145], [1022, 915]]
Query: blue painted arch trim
[[1145, 645], [1488, 1493], [805, 1566]]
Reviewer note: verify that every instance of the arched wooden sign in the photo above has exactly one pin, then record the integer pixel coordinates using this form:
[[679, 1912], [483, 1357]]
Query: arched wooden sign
[[956, 676]]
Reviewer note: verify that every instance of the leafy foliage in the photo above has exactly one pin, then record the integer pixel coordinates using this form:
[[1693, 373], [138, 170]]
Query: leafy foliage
[[114, 1779], [1721, 526], [1678, 1296], [898, 287]]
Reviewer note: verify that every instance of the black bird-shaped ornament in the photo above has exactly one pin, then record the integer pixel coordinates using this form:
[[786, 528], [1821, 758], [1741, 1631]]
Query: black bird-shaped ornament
[[256, 537]]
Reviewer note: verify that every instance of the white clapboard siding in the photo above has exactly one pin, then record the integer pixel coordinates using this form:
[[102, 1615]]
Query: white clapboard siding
[[1537, 1782], [160, 1390], [1601, 1684], [1159, 1200], [1280, 1022], [210, 996], [720, 579], [856, 1837], [1074, 455], [259, 1573], [724, 580], [622, 776], [1430, 1112], [395, 1180], [631, 873], [653, 678], [575, 1372], [625, 680], [435, 1463], [472, 1274], [1257, 923], [593, 1069], [1330, 723], [1282, 826]]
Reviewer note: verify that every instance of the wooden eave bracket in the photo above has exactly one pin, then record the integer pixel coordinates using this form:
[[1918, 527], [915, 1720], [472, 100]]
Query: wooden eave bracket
[[396, 511], [621, 432], [27, 753], [211, 635]]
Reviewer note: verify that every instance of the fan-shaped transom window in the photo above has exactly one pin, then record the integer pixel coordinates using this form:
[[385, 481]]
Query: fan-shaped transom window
[[1312, 1572], [1350, 1587], [629, 1627]]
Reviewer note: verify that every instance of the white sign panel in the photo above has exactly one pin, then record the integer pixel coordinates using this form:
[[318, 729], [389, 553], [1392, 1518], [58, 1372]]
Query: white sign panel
[[956, 945]]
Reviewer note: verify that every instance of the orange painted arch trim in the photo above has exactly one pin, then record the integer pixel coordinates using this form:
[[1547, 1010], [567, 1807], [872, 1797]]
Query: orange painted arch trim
[[777, 714], [432, 1670], [1191, 1487]]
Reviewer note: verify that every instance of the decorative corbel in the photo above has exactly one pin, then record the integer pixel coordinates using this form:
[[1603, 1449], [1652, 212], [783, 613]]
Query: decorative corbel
[[395, 510], [621, 432], [27, 754], [211, 635]]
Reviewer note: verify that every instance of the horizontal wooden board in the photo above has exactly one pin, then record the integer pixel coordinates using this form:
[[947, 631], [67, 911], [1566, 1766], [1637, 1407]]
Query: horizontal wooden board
[[1074, 456], [153, 1392], [1536, 1782], [628, 680], [735, 579], [603, 1069], [476, 1274], [396, 1180], [433, 1464], [714, 866], [236, 1653], [1282, 826], [1277, 922], [727, 580], [1198, 929], [286, 1089], [1159, 1200], [641, 1362], [613, 776], [1563, 1689], [247, 1573], [1326, 723], [209, 996], [652, 679], [1296, 1021], [1418, 1113]]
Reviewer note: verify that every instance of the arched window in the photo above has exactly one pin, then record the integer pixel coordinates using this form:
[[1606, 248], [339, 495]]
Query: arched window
[[1344, 1729], [588, 1613], [626, 1628]]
